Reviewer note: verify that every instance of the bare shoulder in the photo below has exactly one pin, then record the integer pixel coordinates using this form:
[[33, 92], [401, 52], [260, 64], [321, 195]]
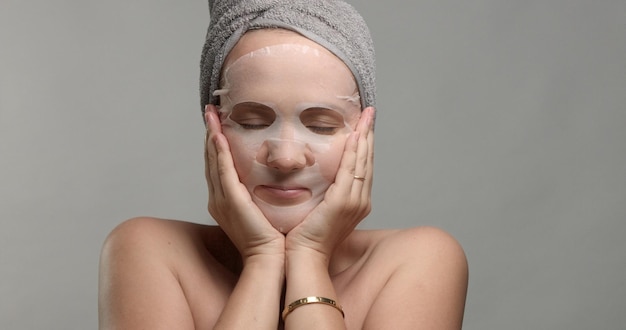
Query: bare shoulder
[[412, 246], [151, 266], [415, 278], [143, 230], [421, 245], [142, 240], [155, 233]]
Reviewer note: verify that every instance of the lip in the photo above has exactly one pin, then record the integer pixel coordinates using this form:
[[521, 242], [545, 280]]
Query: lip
[[282, 195]]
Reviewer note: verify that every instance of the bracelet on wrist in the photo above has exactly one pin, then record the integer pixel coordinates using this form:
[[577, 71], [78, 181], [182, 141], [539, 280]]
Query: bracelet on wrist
[[311, 300]]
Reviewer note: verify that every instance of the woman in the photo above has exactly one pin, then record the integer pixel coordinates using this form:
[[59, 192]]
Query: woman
[[288, 93]]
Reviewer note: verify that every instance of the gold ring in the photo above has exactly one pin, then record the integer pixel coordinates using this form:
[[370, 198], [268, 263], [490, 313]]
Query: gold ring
[[362, 178]]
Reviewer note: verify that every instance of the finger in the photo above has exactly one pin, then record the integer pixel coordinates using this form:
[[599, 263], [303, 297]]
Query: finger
[[207, 164], [348, 172], [363, 128], [228, 176], [370, 157], [360, 164], [207, 152], [345, 174], [214, 130], [362, 173], [225, 172]]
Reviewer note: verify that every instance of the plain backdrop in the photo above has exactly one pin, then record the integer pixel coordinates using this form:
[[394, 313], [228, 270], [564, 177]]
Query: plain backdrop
[[502, 122]]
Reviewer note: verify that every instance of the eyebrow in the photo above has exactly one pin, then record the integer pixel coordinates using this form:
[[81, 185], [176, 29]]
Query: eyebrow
[[253, 106], [326, 106]]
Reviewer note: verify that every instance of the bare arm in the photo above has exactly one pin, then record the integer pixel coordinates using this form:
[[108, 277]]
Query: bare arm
[[311, 244], [155, 274], [307, 275], [254, 303], [255, 299]]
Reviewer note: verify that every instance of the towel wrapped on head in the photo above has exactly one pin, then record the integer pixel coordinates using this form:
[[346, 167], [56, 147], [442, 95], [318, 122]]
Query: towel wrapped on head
[[333, 24]]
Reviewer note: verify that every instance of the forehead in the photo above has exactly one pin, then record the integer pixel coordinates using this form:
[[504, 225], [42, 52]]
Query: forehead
[[283, 66], [257, 39]]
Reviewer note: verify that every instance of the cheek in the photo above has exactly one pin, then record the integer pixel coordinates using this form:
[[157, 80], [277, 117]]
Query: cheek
[[329, 161], [243, 153]]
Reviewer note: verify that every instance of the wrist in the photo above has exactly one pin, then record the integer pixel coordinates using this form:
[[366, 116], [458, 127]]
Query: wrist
[[306, 261], [264, 259], [298, 245], [309, 284], [272, 250], [265, 266]]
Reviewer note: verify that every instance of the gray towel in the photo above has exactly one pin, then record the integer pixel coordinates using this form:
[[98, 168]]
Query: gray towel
[[334, 24]]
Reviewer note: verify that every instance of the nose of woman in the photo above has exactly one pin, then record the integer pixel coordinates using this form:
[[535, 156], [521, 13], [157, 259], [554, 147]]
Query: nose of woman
[[286, 155]]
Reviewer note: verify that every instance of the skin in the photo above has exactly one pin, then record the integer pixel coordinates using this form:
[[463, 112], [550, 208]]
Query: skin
[[284, 116], [166, 274]]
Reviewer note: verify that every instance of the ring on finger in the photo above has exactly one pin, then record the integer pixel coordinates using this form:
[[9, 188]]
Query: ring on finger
[[362, 178]]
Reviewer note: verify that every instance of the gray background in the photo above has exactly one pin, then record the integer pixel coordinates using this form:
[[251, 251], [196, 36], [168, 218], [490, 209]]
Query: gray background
[[500, 121]]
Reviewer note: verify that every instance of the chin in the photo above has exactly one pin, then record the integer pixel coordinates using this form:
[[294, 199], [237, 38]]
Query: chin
[[285, 218], [284, 226]]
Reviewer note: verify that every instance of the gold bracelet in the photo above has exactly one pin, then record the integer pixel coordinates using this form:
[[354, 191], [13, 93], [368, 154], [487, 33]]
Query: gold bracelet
[[311, 300]]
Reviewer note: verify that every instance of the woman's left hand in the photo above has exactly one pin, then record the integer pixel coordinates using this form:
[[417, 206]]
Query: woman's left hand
[[347, 201]]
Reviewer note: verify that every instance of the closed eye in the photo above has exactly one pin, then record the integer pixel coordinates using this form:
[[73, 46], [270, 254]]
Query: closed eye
[[323, 130], [254, 126], [322, 121], [252, 115]]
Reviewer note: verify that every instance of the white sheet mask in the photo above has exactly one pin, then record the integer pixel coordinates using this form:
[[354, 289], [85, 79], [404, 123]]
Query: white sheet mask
[[283, 106]]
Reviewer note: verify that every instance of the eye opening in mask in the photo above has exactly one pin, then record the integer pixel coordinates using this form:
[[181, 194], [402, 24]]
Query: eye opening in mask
[[253, 115], [322, 121]]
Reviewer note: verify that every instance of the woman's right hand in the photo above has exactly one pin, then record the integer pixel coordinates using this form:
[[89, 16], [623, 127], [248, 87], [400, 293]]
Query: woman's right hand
[[230, 203]]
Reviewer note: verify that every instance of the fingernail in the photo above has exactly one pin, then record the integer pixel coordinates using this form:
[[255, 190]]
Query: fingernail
[[210, 119], [372, 117]]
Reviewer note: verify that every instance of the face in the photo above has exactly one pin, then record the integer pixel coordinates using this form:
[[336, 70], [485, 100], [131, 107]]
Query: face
[[287, 107]]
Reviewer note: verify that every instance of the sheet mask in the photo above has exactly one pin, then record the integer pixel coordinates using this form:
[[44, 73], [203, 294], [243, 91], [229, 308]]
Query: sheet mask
[[296, 88]]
